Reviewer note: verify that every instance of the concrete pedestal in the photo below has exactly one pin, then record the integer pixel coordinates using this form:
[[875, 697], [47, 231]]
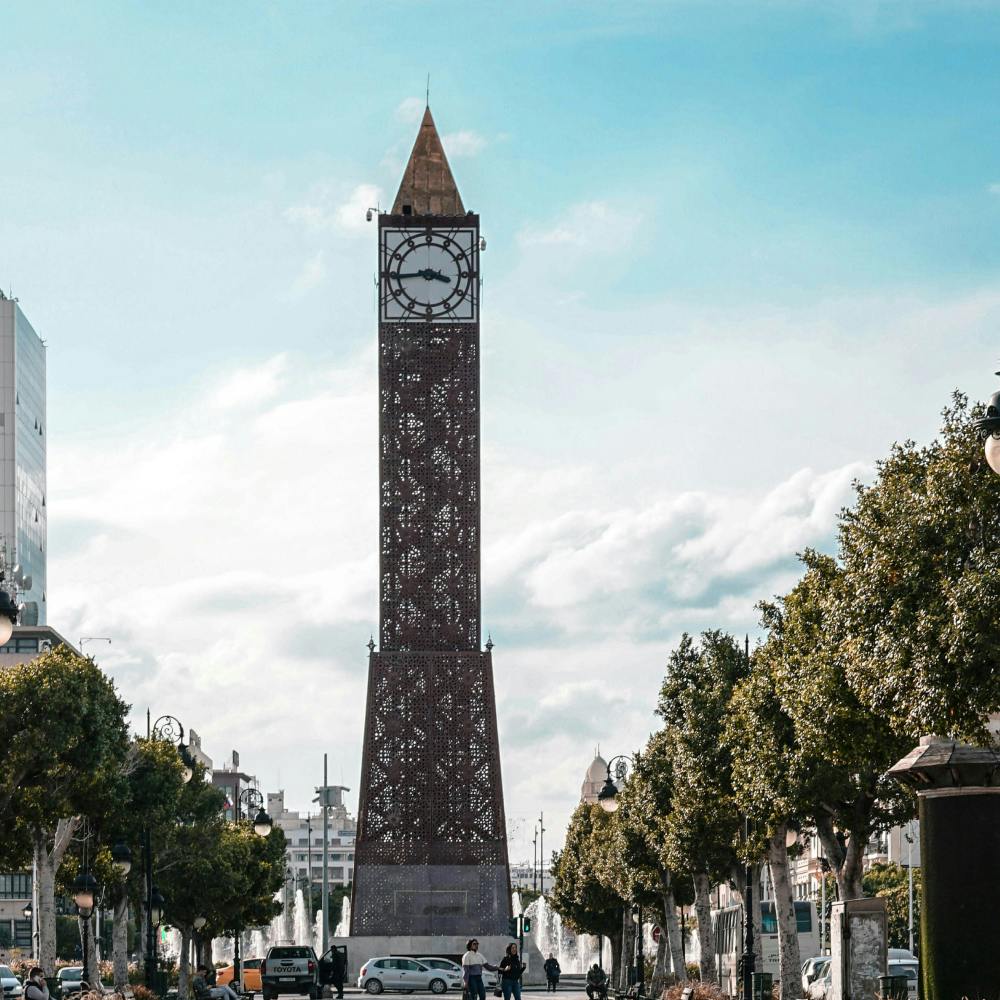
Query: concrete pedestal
[[959, 808], [492, 947]]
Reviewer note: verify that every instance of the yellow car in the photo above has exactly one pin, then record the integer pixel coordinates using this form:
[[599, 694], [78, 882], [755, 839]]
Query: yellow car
[[251, 975]]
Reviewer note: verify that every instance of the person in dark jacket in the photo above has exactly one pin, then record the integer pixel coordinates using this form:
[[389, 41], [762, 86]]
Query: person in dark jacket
[[597, 983], [552, 972], [511, 969]]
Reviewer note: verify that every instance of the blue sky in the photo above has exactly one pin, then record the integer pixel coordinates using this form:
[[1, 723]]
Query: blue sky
[[735, 250]]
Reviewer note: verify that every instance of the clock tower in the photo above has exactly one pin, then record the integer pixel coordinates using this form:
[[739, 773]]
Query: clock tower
[[431, 850]]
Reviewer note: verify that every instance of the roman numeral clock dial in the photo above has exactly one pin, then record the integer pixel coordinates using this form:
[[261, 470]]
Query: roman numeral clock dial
[[429, 274]]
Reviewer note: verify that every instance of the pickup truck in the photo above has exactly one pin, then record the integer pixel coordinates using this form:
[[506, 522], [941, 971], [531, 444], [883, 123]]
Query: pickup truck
[[289, 969]]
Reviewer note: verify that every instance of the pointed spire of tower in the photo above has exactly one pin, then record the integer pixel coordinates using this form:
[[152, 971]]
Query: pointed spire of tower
[[428, 187]]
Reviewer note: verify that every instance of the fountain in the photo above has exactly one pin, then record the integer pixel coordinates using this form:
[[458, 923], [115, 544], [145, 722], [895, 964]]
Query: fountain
[[301, 921], [575, 953], [343, 927]]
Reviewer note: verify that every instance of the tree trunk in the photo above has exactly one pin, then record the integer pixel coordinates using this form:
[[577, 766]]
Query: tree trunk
[[184, 964], [671, 929], [119, 942], [845, 859], [47, 862], [789, 963], [703, 910], [659, 966], [615, 943], [627, 948]]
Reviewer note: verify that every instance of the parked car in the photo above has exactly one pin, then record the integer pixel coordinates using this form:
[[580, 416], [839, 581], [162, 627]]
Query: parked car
[[908, 969], [10, 983], [251, 975], [490, 979], [820, 988], [812, 969], [69, 979], [404, 975], [289, 969]]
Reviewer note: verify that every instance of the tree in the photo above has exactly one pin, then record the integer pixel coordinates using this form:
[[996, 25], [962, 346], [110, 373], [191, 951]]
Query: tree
[[642, 823], [773, 788], [578, 894], [920, 553], [62, 740], [838, 749], [705, 819]]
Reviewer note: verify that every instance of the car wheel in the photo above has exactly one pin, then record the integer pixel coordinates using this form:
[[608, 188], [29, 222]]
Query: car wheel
[[373, 986], [439, 986]]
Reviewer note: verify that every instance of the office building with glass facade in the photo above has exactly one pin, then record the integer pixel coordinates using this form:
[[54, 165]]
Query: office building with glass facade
[[22, 455]]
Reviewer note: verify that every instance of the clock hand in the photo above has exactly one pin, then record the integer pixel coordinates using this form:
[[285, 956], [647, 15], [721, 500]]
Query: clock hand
[[437, 276]]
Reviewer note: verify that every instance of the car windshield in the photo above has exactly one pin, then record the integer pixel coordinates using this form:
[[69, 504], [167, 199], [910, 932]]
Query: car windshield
[[909, 971], [71, 973], [5, 973], [290, 953]]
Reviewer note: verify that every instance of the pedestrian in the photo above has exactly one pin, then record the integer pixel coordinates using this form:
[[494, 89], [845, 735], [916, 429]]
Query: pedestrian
[[338, 970], [36, 988], [472, 971], [202, 991], [552, 972], [511, 970]]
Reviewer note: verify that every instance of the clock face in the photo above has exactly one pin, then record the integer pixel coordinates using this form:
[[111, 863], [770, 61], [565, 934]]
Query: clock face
[[429, 275]]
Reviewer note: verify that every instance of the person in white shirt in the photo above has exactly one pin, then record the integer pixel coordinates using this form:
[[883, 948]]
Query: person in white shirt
[[472, 971]]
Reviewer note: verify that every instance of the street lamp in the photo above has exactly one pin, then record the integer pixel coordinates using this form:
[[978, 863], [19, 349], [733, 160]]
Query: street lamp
[[169, 729], [608, 795], [84, 890], [252, 799], [988, 427], [121, 857]]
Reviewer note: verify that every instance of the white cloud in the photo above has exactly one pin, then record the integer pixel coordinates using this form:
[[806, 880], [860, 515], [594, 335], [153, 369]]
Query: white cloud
[[250, 385], [331, 207], [311, 275], [591, 225], [410, 110], [994, 188], [463, 144]]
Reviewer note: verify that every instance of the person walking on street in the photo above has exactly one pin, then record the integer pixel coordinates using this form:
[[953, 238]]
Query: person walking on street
[[552, 972], [472, 971], [511, 970], [36, 988]]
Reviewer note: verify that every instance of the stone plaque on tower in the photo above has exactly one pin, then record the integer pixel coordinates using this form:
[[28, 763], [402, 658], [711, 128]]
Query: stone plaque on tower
[[431, 850]]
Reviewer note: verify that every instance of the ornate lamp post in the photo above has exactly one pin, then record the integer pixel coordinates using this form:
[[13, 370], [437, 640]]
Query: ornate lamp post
[[84, 891], [251, 799], [169, 729], [608, 799]]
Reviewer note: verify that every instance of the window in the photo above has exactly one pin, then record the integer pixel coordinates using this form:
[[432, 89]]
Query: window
[[409, 965], [15, 886], [803, 918]]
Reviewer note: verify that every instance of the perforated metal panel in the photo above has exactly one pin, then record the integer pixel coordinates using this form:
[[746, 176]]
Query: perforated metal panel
[[431, 851], [429, 481]]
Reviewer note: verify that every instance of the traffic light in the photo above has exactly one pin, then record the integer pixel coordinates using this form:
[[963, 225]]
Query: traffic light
[[512, 926], [526, 923]]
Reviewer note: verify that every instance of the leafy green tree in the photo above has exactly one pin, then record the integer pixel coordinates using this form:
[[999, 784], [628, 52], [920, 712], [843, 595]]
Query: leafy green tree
[[837, 749], [641, 828], [920, 552], [63, 738], [578, 894], [705, 821], [891, 883]]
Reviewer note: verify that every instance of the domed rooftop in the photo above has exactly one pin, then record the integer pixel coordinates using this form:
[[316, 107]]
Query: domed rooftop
[[598, 770]]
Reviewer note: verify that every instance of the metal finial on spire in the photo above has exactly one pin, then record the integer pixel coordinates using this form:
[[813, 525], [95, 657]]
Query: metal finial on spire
[[371, 644], [427, 101], [489, 642]]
